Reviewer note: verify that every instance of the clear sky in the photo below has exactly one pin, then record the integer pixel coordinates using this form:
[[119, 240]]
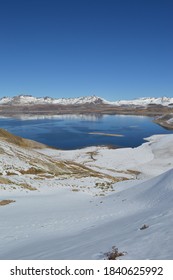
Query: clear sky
[[115, 49]]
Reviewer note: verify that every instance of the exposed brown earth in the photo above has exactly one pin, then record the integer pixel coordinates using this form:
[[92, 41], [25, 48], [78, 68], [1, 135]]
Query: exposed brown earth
[[51, 109], [5, 202]]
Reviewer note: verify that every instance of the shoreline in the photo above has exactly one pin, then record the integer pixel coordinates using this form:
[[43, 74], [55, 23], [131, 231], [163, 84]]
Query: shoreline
[[159, 113]]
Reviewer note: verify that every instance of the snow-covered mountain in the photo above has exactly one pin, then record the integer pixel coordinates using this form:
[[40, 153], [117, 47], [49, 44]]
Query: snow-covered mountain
[[145, 101], [28, 99]]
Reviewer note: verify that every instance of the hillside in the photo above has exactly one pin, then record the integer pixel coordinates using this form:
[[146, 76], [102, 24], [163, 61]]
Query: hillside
[[58, 204], [19, 141], [23, 164]]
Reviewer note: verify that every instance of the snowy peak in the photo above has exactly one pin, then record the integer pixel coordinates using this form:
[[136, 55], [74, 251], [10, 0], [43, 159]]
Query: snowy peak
[[79, 100], [29, 99]]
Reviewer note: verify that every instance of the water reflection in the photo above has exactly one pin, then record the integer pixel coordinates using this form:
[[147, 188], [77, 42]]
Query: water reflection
[[73, 131]]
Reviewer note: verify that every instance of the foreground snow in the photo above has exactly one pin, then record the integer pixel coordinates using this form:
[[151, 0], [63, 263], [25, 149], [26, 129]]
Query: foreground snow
[[55, 222]]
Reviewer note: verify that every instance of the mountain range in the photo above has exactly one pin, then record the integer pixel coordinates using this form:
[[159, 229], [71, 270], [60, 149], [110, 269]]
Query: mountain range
[[29, 99]]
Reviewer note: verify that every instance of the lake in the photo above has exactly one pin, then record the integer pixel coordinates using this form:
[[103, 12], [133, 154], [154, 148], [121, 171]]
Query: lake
[[78, 131]]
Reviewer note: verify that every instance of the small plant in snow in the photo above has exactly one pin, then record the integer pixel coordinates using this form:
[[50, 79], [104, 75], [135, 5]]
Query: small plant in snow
[[113, 254], [144, 227]]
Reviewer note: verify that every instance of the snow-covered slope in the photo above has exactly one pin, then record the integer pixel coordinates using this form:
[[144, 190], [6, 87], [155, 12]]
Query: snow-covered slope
[[76, 213], [28, 99]]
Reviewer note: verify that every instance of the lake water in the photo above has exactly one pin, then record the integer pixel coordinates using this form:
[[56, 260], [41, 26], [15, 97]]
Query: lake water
[[73, 131]]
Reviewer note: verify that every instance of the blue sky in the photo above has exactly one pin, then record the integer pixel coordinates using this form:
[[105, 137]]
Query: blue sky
[[116, 49]]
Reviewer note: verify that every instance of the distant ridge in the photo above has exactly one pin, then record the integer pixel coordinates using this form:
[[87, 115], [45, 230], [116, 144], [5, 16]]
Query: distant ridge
[[29, 99]]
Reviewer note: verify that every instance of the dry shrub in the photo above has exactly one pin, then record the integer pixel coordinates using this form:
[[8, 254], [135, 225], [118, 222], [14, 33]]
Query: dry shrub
[[144, 227], [113, 254]]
